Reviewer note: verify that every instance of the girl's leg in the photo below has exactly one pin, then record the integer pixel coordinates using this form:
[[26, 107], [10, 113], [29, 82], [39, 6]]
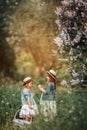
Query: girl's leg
[[27, 118]]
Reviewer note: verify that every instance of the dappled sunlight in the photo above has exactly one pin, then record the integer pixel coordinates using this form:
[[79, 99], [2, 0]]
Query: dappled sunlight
[[31, 32]]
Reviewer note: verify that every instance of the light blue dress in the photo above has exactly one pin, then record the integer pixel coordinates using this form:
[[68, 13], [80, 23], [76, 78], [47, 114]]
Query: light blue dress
[[25, 110], [25, 95]]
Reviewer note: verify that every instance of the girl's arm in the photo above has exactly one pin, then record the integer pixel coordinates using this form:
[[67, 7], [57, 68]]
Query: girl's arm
[[41, 88], [29, 104]]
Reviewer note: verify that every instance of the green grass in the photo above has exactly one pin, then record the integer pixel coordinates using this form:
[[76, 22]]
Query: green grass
[[71, 109]]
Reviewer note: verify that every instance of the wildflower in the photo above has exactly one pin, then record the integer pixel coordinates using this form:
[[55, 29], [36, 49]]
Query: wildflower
[[71, 58], [13, 95], [7, 103], [74, 118], [2, 101], [64, 83], [70, 111], [74, 82], [80, 112], [74, 74], [71, 52], [6, 113], [61, 101], [77, 38], [69, 92], [73, 107]]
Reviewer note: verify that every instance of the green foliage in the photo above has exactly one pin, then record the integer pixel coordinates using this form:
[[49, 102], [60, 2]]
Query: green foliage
[[71, 109], [10, 101], [6, 52]]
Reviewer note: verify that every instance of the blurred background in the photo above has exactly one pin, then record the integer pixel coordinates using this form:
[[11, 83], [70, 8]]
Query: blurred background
[[27, 29]]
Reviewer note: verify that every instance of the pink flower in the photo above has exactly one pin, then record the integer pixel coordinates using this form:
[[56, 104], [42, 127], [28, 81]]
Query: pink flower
[[85, 27], [70, 14], [58, 23], [58, 11], [66, 2]]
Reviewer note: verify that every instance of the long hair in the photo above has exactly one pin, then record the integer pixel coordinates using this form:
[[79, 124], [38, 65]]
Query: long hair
[[52, 80], [24, 84]]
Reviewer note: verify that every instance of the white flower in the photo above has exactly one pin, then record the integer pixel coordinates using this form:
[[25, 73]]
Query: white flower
[[71, 52], [7, 103], [64, 83], [74, 118], [74, 82], [71, 58], [70, 111], [58, 23], [73, 108], [2, 101], [58, 11], [77, 38], [13, 95], [54, 52], [74, 74], [6, 113], [69, 92], [58, 41], [61, 101], [80, 112], [86, 60]]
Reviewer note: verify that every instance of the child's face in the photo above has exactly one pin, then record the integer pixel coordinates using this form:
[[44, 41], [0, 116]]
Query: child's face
[[48, 78], [29, 85]]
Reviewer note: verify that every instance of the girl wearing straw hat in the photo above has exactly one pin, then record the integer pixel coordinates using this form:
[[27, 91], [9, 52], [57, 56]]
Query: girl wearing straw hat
[[47, 100], [29, 107]]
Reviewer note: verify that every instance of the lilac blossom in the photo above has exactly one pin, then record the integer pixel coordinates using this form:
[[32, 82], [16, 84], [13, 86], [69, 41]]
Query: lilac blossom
[[66, 3], [58, 11], [64, 83], [72, 40], [77, 38], [58, 41], [70, 14]]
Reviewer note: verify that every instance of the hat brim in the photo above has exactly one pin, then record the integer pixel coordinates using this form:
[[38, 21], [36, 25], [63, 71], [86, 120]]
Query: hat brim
[[27, 81], [53, 76]]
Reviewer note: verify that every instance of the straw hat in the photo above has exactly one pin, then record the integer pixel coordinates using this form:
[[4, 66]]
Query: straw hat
[[27, 80], [52, 73]]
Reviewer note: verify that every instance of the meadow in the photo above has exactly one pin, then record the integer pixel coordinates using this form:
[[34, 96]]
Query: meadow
[[71, 109]]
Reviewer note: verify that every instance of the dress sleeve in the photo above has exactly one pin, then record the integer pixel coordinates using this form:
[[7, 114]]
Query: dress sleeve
[[26, 94]]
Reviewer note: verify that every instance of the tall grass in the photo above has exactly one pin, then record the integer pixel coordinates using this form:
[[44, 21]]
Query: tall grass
[[71, 109]]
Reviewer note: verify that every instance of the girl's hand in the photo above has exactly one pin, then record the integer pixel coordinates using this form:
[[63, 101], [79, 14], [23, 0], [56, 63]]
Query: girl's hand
[[41, 88], [31, 107]]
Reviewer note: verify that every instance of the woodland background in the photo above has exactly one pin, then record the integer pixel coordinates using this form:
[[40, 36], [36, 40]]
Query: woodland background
[[27, 48]]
